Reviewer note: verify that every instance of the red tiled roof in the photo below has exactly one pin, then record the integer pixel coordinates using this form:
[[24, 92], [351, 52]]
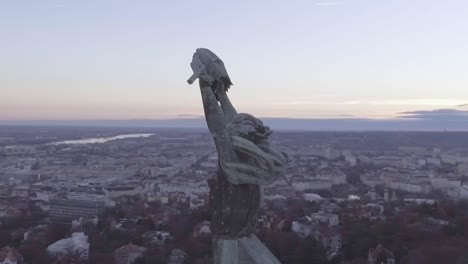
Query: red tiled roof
[[130, 248], [10, 254]]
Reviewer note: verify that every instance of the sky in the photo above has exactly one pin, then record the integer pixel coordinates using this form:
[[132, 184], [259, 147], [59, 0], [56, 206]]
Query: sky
[[112, 59]]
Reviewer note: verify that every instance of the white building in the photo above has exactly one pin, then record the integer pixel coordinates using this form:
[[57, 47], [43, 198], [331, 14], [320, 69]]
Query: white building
[[444, 183], [187, 188], [349, 157], [311, 197], [303, 226], [119, 191], [76, 245], [156, 238], [20, 191], [410, 187], [326, 218], [311, 185]]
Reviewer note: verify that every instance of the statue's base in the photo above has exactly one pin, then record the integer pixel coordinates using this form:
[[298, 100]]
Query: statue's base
[[245, 250]]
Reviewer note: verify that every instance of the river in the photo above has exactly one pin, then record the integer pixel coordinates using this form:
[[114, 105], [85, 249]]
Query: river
[[100, 139]]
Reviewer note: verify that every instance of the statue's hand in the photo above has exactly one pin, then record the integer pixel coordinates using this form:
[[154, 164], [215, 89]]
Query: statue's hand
[[199, 71], [197, 67]]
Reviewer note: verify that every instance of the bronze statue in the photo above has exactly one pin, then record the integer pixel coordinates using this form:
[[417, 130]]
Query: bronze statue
[[247, 161]]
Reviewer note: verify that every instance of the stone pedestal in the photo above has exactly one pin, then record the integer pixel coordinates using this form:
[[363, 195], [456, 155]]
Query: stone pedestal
[[245, 250]]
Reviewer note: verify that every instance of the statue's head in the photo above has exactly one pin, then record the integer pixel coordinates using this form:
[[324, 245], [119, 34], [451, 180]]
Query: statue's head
[[249, 127]]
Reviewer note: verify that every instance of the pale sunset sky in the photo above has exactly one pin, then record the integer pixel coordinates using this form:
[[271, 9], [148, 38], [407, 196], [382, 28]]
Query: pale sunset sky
[[112, 59]]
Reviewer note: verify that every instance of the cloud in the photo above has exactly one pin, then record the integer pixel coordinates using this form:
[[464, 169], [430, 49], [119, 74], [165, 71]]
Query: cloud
[[441, 115], [413, 102], [329, 3], [189, 115], [422, 102], [58, 5], [305, 102]]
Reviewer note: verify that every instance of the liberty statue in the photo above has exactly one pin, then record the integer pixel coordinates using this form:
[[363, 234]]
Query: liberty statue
[[247, 162]]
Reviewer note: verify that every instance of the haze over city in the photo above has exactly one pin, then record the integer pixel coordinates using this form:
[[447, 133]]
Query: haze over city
[[116, 60]]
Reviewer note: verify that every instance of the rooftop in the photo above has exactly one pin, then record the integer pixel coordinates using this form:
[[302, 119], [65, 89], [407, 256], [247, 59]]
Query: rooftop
[[130, 248]]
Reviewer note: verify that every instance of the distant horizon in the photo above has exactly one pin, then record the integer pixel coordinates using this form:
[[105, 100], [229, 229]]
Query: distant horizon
[[279, 124]]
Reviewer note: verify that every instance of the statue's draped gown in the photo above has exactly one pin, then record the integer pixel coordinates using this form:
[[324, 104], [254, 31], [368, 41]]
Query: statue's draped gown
[[234, 207]]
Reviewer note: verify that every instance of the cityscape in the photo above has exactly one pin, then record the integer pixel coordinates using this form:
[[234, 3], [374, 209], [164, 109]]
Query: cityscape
[[128, 195], [233, 132]]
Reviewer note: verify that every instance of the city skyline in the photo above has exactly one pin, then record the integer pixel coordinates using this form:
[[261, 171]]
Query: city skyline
[[66, 60]]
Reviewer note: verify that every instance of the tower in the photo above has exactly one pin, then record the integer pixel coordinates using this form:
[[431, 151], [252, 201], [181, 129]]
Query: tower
[[373, 194], [386, 194]]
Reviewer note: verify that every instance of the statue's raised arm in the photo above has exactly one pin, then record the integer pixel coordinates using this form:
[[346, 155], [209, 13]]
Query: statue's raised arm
[[213, 79], [245, 154]]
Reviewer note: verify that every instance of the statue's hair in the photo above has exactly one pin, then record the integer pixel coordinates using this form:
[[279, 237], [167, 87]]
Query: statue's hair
[[259, 162], [249, 127]]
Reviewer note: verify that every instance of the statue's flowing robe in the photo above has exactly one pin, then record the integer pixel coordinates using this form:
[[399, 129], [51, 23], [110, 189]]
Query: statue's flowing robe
[[235, 207]]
